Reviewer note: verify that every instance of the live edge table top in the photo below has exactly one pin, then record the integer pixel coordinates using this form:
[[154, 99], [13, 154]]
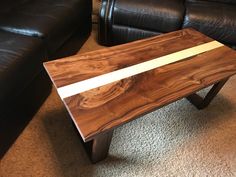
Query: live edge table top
[[149, 74]]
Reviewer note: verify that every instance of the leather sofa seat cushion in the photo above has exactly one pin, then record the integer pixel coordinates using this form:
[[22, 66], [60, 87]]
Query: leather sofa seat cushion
[[151, 15], [127, 34], [216, 20], [52, 20], [20, 61]]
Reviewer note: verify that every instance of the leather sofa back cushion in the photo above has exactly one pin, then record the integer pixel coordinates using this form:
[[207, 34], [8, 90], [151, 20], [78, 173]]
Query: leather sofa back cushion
[[152, 15], [207, 18], [220, 1]]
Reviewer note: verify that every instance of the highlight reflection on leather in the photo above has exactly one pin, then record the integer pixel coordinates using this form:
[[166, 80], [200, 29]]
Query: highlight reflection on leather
[[54, 21]]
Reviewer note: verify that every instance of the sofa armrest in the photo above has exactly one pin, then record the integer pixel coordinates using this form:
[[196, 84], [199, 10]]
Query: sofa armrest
[[105, 22]]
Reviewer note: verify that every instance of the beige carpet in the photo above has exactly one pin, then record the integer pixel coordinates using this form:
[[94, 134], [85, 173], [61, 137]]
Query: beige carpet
[[177, 140]]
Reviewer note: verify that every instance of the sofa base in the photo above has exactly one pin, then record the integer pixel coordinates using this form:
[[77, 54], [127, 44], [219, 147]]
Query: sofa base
[[74, 43], [16, 117]]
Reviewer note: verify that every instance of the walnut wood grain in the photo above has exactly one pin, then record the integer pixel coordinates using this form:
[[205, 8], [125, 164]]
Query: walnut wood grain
[[83, 66], [102, 109]]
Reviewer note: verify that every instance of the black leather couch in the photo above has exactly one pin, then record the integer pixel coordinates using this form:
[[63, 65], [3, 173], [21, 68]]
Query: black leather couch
[[33, 31], [122, 21]]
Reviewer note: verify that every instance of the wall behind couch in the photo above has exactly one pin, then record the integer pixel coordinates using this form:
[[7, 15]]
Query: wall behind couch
[[96, 7]]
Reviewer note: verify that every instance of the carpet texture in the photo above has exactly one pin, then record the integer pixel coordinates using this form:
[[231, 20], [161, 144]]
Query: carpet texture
[[176, 140]]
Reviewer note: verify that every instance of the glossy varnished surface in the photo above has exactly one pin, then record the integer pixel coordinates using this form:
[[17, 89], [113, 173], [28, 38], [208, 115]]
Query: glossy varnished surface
[[101, 109]]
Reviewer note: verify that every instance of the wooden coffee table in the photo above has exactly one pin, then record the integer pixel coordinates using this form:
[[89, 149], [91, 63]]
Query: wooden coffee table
[[107, 88]]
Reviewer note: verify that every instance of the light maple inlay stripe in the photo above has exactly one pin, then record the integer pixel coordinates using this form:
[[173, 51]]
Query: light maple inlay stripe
[[98, 81]]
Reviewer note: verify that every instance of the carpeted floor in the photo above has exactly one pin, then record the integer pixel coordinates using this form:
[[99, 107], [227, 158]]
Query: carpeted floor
[[177, 140]]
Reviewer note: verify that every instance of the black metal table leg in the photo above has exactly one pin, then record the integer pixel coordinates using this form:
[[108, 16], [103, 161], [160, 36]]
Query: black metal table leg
[[200, 102]]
